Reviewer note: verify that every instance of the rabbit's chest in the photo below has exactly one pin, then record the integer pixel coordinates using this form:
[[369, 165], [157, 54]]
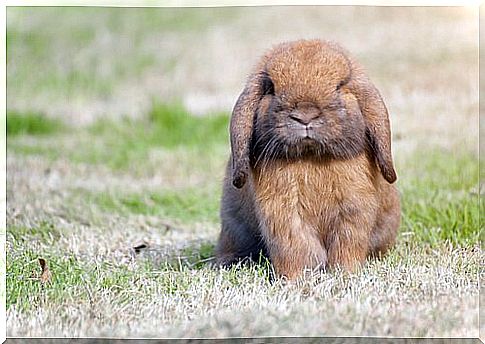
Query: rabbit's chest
[[314, 193]]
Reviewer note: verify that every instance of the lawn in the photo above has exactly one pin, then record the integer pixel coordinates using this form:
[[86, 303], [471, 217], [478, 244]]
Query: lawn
[[116, 145]]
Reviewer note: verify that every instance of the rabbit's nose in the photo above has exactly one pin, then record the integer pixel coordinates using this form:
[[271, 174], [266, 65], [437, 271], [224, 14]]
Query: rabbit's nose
[[304, 117]]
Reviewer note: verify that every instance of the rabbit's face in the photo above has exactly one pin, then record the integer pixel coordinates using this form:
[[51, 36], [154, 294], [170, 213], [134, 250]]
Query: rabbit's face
[[333, 128], [308, 99]]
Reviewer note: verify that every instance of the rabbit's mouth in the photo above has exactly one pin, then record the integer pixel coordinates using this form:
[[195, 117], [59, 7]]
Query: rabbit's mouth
[[307, 135], [314, 143], [305, 141], [308, 140], [304, 134]]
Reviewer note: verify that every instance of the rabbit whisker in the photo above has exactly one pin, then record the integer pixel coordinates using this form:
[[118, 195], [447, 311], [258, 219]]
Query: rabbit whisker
[[270, 152], [263, 153], [263, 136]]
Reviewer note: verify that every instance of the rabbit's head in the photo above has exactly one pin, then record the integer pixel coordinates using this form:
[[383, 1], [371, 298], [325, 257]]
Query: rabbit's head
[[308, 99]]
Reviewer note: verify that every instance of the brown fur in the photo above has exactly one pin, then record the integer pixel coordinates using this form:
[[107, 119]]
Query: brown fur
[[309, 180]]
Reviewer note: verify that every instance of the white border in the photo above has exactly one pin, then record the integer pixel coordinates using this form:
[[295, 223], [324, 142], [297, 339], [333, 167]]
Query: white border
[[210, 3], [145, 3], [3, 177]]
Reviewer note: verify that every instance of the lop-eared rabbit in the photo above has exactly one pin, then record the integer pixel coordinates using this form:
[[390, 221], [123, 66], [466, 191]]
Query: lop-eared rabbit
[[310, 180]]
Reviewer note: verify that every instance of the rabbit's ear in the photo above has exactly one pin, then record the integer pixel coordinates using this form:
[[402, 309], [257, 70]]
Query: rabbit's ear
[[242, 120], [376, 119]]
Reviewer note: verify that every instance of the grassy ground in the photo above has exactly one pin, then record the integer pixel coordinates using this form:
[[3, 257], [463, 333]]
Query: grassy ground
[[118, 188]]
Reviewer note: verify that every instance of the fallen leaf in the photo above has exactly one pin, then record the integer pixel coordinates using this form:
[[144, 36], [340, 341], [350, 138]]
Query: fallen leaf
[[139, 248], [46, 275]]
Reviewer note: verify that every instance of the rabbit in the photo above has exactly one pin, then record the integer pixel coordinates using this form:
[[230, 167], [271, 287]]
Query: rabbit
[[309, 184]]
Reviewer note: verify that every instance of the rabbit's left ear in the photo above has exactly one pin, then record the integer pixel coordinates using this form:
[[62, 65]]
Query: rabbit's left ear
[[241, 127], [376, 119]]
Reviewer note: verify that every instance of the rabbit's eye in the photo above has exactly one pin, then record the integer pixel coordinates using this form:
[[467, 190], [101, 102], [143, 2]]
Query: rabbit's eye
[[342, 82], [267, 85], [276, 107], [333, 107]]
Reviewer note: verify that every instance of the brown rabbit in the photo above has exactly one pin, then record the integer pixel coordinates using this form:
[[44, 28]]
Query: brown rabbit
[[309, 180]]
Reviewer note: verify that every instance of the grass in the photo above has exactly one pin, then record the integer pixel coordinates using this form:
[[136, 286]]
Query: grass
[[437, 242], [440, 198], [44, 231], [31, 123], [167, 126], [127, 142], [440, 216], [188, 206], [27, 293], [98, 50], [72, 279], [172, 295], [439, 187]]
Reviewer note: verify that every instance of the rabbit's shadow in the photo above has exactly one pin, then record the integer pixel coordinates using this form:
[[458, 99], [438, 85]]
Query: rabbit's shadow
[[192, 255], [195, 255]]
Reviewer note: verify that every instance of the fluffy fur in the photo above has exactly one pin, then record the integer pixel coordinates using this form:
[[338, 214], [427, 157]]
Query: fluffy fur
[[309, 183]]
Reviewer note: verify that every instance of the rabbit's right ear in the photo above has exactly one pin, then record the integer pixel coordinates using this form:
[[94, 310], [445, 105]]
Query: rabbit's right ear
[[242, 120], [376, 118]]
